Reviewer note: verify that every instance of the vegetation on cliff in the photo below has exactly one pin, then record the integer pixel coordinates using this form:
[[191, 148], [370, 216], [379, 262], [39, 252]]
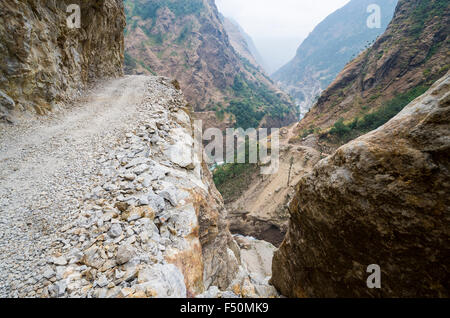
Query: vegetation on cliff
[[149, 9], [252, 102], [231, 178], [330, 46]]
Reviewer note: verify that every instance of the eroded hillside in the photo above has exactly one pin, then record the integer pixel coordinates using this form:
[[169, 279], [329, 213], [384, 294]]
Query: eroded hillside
[[401, 65], [44, 62], [258, 204], [242, 42]]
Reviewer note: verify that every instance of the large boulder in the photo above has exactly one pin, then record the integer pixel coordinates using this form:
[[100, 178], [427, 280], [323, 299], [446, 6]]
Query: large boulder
[[381, 199]]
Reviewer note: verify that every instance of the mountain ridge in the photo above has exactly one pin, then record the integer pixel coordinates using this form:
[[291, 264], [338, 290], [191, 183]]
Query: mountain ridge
[[401, 65], [329, 47], [187, 41]]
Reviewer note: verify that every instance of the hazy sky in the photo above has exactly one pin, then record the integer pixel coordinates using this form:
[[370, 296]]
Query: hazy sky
[[278, 26]]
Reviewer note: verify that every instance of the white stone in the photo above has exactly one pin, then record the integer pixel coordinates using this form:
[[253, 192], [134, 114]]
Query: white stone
[[49, 273], [102, 281], [170, 194], [212, 292]]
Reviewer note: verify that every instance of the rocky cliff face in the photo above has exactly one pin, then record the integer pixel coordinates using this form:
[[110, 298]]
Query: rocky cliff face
[[186, 40], [43, 62], [329, 47], [381, 199], [406, 59]]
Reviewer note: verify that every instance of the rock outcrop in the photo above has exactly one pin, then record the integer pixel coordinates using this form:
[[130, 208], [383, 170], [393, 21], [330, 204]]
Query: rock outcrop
[[252, 277], [242, 42], [44, 62], [128, 208], [381, 199]]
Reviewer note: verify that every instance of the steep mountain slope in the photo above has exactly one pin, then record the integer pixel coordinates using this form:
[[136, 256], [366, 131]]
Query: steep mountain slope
[[43, 62], [412, 53], [381, 199], [108, 195], [331, 45], [242, 42], [187, 41]]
